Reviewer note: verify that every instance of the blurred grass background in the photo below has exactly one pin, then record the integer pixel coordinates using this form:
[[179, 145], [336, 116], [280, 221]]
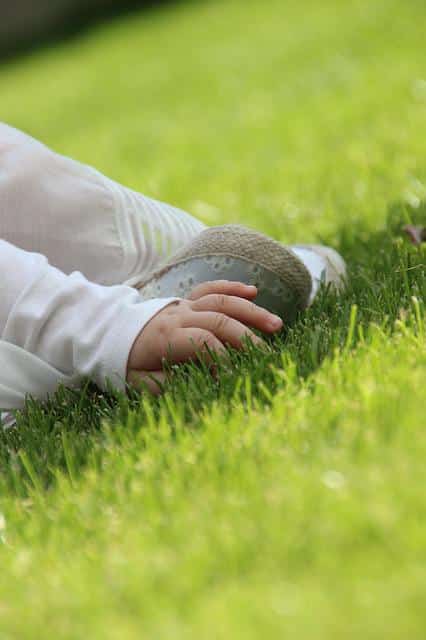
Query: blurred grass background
[[284, 502]]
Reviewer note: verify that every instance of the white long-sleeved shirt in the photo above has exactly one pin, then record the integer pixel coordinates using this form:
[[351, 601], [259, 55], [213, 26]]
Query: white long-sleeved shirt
[[69, 238], [78, 327]]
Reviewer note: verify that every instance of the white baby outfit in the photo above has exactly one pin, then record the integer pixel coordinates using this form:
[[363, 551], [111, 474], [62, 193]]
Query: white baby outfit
[[72, 244], [66, 230]]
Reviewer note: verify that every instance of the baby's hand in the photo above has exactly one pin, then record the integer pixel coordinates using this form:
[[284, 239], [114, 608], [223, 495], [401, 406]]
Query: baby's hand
[[215, 315]]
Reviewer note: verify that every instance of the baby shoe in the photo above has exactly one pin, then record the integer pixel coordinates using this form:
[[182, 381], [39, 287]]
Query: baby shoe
[[287, 277]]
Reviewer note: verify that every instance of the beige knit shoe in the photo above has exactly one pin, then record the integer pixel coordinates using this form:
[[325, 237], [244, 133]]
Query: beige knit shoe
[[232, 252]]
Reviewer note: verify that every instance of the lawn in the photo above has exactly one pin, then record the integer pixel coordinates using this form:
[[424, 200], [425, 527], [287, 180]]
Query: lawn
[[286, 498]]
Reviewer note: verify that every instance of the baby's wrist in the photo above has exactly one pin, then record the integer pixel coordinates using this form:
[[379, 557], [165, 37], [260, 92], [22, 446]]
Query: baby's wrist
[[120, 339]]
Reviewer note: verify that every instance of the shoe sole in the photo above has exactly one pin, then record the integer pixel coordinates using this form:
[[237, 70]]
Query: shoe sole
[[233, 252]]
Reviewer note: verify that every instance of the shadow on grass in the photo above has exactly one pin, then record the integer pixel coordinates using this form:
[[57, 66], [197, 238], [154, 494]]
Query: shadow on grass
[[385, 271], [75, 23]]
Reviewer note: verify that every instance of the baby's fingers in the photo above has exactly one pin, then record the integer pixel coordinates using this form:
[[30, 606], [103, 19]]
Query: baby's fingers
[[152, 381], [242, 310], [193, 343], [226, 329], [224, 287]]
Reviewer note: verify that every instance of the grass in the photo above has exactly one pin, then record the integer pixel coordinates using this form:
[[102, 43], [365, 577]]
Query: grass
[[286, 498]]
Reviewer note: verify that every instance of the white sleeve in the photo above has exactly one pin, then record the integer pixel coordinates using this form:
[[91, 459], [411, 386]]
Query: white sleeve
[[74, 325]]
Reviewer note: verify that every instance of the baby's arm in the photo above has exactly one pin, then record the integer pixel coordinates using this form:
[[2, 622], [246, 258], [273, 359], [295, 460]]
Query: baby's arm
[[76, 326], [107, 332]]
